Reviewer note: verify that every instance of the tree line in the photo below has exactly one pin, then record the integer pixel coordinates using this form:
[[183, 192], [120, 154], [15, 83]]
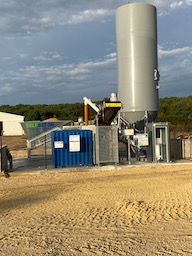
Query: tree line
[[174, 110], [42, 112], [177, 111]]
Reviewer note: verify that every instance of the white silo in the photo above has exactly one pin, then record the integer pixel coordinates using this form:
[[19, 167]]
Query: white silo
[[136, 36]]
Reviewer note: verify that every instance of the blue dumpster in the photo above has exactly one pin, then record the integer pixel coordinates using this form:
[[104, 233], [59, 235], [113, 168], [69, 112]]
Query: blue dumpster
[[72, 148]]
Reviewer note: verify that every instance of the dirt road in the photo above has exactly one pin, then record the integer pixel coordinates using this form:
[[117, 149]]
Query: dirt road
[[124, 211]]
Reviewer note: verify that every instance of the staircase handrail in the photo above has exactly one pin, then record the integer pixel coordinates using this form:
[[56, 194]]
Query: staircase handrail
[[40, 136]]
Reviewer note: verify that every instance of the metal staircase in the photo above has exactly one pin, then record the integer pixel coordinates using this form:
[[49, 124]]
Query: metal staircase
[[41, 139]]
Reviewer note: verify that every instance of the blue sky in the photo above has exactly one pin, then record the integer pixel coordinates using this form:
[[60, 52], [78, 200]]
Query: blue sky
[[58, 51]]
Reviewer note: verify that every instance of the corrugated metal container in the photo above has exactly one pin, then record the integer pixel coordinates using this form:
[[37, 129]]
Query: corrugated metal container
[[136, 33], [72, 148]]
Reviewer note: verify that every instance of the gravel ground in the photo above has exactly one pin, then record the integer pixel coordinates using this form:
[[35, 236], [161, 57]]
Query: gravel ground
[[123, 210]]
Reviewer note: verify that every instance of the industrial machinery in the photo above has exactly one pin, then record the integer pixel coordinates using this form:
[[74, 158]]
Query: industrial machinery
[[104, 114], [105, 132], [131, 116], [138, 76]]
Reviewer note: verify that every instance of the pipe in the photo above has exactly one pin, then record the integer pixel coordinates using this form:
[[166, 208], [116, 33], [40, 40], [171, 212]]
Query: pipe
[[91, 104], [86, 114]]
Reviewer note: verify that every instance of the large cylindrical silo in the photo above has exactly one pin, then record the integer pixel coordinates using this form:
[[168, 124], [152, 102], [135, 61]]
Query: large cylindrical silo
[[136, 36]]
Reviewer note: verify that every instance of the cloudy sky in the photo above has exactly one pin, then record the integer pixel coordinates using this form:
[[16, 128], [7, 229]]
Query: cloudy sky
[[58, 51]]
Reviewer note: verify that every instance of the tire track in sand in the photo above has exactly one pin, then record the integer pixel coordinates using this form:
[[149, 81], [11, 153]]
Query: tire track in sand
[[173, 207]]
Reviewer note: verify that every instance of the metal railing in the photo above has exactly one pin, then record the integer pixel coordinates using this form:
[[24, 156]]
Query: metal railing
[[41, 139]]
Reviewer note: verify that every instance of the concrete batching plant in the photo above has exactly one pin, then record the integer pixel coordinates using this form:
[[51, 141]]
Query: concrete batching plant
[[129, 119]]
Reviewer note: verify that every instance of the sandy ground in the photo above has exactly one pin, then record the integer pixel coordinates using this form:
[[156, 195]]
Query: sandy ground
[[128, 210]]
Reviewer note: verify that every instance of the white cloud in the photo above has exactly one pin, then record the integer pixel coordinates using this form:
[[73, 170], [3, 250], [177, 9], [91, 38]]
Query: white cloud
[[39, 77], [48, 56], [189, 2], [27, 17], [7, 58], [23, 55], [111, 55], [175, 52], [55, 55], [41, 58], [51, 55], [176, 4], [7, 88], [169, 3], [186, 63], [175, 71], [89, 15], [71, 70], [162, 13], [165, 7]]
